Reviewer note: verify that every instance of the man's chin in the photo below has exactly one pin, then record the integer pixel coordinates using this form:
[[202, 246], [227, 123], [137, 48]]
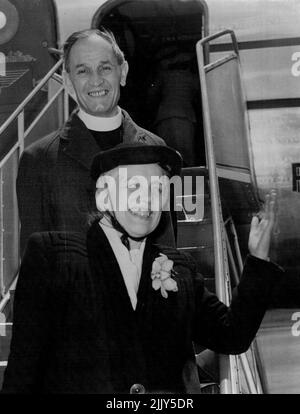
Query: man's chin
[[94, 109]]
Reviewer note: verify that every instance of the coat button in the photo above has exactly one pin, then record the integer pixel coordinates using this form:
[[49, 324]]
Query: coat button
[[137, 389]]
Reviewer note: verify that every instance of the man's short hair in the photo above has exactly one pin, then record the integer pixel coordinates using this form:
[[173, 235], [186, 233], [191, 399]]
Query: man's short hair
[[84, 34]]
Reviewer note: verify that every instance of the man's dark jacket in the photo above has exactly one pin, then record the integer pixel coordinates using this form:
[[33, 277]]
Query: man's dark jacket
[[54, 188], [75, 330]]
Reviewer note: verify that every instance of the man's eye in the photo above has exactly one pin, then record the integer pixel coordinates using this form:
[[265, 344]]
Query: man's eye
[[106, 69], [81, 71]]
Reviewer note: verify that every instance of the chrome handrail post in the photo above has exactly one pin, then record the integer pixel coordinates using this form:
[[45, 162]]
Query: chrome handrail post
[[1, 235], [21, 130], [227, 374], [66, 104]]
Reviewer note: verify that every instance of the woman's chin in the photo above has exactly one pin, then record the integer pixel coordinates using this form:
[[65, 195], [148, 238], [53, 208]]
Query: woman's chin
[[138, 233]]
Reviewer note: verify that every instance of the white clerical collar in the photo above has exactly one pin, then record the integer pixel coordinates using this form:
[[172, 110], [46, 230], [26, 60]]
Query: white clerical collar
[[98, 123]]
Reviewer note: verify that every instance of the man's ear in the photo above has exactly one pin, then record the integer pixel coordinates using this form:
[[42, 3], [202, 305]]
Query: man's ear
[[68, 84], [124, 72]]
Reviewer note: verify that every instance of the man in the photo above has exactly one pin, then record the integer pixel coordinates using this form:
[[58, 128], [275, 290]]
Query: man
[[54, 188], [112, 312]]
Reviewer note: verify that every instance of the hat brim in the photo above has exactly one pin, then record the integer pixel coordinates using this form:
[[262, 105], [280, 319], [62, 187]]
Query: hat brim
[[124, 154]]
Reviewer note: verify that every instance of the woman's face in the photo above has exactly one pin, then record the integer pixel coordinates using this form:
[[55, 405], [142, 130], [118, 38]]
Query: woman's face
[[137, 194]]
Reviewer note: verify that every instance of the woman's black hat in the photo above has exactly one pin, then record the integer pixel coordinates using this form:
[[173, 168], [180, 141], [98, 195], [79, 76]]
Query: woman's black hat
[[136, 153]]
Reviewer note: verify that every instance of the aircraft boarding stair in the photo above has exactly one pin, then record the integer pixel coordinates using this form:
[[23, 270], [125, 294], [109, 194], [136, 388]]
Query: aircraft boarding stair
[[208, 238], [194, 234], [195, 237], [272, 366]]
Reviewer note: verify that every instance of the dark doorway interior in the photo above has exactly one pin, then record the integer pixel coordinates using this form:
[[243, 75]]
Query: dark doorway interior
[[163, 90]]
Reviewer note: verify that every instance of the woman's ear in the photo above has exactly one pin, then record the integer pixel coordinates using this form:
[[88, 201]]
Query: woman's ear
[[103, 201], [106, 192]]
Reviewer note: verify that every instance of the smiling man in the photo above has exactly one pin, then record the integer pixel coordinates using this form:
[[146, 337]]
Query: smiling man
[[54, 188], [94, 72]]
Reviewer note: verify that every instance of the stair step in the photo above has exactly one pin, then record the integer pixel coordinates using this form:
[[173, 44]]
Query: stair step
[[5, 338], [195, 207], [194, 234], [194, 172]]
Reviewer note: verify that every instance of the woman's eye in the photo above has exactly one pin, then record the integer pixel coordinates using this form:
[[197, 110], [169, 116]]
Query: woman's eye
[[157, 188], [133, 186]]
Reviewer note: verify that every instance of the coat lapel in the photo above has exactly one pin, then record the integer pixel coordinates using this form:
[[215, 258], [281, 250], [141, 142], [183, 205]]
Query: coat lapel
[[79, 143], [152, 308], [145, 286], [107, 268], [133, 133], [125, 351]]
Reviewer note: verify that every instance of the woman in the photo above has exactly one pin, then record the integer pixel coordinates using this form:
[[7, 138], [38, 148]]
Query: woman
[[106, 312]]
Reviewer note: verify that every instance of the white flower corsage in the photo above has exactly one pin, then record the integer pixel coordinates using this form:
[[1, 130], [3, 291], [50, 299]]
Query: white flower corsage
[[161, 275]]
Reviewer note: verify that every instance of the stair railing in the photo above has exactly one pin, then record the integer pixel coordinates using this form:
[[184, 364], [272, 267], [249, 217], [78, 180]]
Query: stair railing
[[14, 154], [230, 375]]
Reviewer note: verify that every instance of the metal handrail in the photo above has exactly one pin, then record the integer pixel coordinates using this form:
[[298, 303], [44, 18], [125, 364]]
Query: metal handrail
[[229, 381], [19, 145], [222, 33], [225, 362], [6, 297], [32, 94], [205, 44], [43, 111]]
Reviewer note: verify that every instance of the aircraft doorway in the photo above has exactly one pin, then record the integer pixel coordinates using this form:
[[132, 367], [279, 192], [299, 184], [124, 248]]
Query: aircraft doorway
[[162, 93]]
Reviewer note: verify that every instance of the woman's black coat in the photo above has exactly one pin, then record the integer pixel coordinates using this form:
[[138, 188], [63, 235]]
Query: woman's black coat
[[75, 330]]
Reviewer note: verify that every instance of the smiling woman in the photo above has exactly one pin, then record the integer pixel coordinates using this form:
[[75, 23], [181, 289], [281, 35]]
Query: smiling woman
[[138, 306], [130, 193], [134, 202]]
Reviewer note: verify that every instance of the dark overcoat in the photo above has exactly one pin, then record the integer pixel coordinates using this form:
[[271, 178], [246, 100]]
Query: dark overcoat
[[54, 188], [75, 330]]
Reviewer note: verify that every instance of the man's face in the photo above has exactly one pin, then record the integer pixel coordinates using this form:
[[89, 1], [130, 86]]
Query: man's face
[[138, 198], [95, 76]]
